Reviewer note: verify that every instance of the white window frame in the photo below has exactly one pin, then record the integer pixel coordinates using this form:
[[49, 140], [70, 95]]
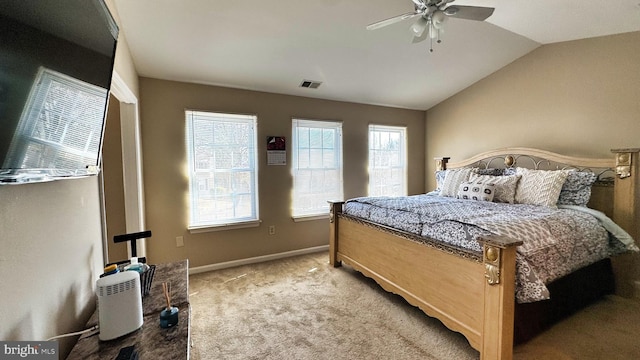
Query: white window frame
[[379, 161], [306, 187], [201, 179]]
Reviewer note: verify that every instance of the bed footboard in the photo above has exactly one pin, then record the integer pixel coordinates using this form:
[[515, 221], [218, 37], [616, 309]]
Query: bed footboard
[[470, 293]]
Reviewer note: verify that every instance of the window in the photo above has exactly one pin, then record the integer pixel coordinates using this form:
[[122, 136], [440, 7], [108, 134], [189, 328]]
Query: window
[[387, 161], [317, 166], [61, 125], [221, 149]]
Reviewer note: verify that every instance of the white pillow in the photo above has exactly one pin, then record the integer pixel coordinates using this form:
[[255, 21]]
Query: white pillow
[[505, 186], [452, 181], [539, 187], [476, 191]]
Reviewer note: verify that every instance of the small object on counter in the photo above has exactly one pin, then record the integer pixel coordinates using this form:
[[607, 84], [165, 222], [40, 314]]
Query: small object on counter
[[139, 267], [169, 315], [109, 270], [128, 353]]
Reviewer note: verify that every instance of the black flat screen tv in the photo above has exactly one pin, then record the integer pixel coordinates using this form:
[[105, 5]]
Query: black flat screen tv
[[56, 64]]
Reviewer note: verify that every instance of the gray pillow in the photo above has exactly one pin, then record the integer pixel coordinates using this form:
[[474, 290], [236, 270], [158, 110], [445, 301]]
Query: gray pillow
[[577, 188], [489, 171], [452, 181], [509, 171], [440, 175]]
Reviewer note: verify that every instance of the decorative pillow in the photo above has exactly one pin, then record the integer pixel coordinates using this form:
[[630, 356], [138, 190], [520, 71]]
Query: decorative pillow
[[452, 181], [539, 187], [505, 186], [476, 191], [577, 188]]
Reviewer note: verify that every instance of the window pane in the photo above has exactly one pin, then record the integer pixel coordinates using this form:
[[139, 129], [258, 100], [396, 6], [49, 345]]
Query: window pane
[[329, 159], [317, 166], [315, 138], [315, 160], [222, 153], [303, 138], [328, 139]]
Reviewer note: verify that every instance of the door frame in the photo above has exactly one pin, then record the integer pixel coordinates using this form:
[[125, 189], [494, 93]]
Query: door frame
[[131, 165]]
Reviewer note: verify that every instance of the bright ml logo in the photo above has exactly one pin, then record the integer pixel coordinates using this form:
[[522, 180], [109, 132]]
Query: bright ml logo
[[41, 350]]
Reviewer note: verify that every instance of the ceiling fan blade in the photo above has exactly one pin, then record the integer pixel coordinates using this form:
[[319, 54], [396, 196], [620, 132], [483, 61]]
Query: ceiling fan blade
[[469, 12], [423, 37], [393, 20]]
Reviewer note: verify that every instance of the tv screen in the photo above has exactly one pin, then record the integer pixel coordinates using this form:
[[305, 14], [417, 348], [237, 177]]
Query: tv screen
[[56, 63]]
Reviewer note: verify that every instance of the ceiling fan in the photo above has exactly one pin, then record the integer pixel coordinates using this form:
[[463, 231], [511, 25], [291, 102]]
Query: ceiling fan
[[432, 14]]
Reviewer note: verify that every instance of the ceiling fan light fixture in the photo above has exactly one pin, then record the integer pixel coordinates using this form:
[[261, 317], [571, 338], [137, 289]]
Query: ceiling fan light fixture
[[438, 18], [419, 26]]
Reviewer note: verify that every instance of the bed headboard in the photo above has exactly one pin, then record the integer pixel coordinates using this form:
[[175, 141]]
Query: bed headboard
[[616, 192]]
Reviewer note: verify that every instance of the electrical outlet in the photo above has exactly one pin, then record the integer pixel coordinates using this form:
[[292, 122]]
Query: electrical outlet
[[179, 241], [272, 229]]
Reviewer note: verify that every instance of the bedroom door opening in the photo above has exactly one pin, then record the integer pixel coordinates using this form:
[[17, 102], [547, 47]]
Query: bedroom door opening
[[121, 182]]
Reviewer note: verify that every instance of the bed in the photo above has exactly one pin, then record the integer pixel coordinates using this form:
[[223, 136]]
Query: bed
[[473, 290]]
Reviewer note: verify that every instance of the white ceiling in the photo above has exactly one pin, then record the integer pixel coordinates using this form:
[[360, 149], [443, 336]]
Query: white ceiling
[[272, 45]]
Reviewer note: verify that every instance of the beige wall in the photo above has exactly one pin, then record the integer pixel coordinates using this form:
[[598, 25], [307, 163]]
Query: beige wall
[[113, 183], [51, 255], [166, 185], [577, 98]]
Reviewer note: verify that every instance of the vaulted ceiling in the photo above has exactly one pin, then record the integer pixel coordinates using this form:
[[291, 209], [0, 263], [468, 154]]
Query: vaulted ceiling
[[273, 45]]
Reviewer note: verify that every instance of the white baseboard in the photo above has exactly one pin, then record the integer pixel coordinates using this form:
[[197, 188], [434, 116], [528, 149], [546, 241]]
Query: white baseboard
[[257, 259]]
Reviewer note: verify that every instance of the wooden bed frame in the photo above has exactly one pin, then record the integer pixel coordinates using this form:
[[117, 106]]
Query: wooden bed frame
[[474, 294]]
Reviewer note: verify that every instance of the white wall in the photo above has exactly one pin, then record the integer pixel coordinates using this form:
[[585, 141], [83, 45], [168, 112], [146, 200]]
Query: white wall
[[51, 253]]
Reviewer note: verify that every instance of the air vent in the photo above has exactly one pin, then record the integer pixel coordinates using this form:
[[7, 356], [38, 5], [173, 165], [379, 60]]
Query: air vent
[[310, 84]]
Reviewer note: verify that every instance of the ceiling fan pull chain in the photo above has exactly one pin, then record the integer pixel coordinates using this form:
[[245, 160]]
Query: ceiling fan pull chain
[[432, 29]]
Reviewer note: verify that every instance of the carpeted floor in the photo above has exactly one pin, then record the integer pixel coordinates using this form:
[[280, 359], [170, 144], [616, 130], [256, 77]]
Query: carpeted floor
[[302, 308]]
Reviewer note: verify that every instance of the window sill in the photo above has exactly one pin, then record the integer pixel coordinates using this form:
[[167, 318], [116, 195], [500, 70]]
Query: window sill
[[223, 227], [310, 217]]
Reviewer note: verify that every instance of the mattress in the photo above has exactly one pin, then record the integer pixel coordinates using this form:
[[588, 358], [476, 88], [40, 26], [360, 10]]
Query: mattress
[[556, 241]]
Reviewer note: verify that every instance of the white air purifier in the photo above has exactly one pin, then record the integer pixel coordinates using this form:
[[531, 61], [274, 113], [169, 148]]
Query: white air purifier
[[119, 304]]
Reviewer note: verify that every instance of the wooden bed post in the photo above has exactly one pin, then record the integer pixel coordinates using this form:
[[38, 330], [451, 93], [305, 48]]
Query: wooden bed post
[[627, 192], [626, 209], [335, 208], [499, 259], [441, 163]]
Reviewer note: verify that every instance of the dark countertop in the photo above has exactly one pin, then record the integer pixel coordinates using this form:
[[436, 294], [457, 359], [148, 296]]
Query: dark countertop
[[151, 341]]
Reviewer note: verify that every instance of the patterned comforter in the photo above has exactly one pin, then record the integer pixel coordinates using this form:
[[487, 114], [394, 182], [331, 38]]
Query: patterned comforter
[[556, 241]]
